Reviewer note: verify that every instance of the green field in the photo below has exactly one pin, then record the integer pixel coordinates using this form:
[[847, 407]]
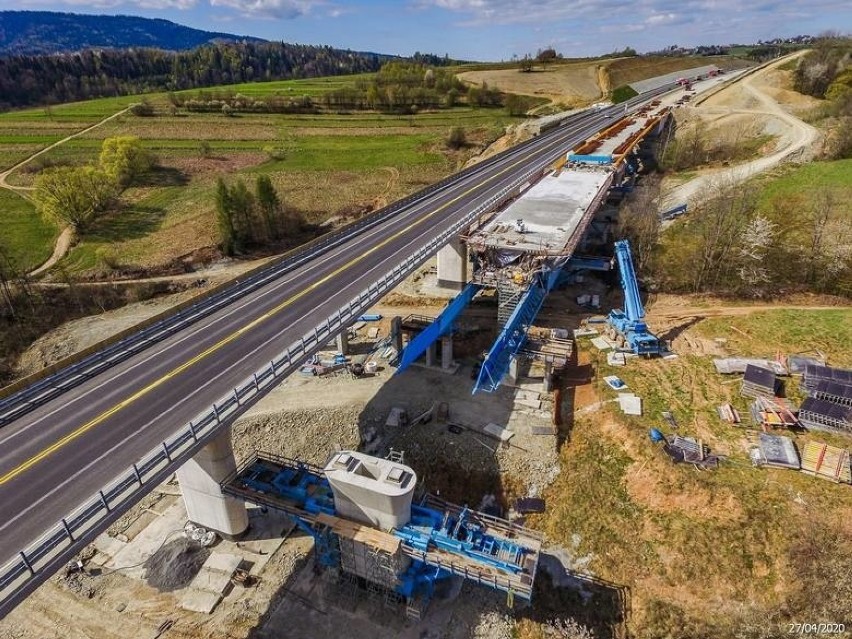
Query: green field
[[26, 239], [802, 181], [324, 165]]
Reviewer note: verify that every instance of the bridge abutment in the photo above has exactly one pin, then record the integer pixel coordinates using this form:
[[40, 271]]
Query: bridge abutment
[[199, 479]]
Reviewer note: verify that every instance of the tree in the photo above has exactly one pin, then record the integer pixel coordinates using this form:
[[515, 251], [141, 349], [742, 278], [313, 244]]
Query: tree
[[242, 208], [225, 219], [269, 204], [124, 159], [639, 221], [545, 56], [516, 105], [526, 65], [457, 138], [72, 196], [722, 218], [142, 110], [756, 241]]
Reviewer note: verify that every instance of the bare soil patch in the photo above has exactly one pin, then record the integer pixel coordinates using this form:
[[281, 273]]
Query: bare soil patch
[[571, 84], [216, 165]]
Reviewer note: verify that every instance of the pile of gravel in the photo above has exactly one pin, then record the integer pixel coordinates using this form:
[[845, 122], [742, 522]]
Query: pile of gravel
[[175, 565]]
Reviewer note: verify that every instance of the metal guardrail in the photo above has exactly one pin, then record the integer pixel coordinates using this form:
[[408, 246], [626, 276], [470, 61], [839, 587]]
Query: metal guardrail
[[37, 389], [43, 557], [39, 560]]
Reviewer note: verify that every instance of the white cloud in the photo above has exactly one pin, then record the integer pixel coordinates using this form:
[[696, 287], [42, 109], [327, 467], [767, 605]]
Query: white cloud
[[112, 4], [649, 12], [656, 19], [280, 9]]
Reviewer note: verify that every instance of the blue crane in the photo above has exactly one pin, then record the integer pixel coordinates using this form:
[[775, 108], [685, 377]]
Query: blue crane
[[628, 324]]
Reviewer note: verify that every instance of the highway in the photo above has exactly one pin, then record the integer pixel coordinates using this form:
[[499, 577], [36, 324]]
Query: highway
[[64, 451]]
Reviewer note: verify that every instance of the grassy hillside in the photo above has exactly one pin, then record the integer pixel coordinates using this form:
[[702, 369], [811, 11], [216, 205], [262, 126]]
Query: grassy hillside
[[328, 165], [26, 239], [808, 206], [736, 551]]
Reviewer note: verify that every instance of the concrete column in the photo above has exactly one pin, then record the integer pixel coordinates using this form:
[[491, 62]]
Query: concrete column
[[343, 342], [447, 352], [548, 377], [199, 479], [452, 265], [431, 354], [396, 333], [514, 370]]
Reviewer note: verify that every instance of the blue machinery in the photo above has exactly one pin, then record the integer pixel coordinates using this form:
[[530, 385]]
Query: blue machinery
[[440, 541], [441, 326], [514, 333], [628, 324]]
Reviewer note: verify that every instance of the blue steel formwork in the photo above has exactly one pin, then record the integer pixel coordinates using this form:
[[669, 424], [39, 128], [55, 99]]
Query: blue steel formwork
[[514, 333], [442, 325], [441, 540]]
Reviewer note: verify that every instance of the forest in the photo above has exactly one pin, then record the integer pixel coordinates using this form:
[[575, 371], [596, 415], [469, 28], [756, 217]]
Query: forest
[[54, 79]]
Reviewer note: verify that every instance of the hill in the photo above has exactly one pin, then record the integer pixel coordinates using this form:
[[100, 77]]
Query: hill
[[40, 32], [578, 82]]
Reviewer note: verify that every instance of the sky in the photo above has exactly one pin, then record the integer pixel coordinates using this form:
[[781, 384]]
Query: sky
[[486, 29]]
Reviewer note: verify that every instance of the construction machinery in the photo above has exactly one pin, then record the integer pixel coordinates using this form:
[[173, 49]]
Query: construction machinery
[[627, 326], [360, 511]]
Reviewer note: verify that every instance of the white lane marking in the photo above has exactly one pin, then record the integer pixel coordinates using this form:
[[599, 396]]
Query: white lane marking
[[9, 521], [157, 352]]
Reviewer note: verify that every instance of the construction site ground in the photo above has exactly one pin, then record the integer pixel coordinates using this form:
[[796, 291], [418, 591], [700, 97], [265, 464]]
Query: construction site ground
[[636, 545], [761, 104], [601, 478]]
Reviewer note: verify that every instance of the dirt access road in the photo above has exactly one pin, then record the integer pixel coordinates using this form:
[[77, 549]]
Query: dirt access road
[[751, 97], [63, 242]]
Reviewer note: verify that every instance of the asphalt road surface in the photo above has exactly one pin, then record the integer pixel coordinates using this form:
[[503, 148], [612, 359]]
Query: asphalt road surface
[[60, 454]]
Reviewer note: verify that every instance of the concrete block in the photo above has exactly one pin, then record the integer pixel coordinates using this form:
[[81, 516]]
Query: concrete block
[[206, 504], [531, 403], [211, 581], [630, 404], [602, 344], [452, 265], [498, 432], [222, 562], [200, 601]]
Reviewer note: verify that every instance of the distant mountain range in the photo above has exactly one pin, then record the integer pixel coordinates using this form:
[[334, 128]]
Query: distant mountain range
[[39, 32]]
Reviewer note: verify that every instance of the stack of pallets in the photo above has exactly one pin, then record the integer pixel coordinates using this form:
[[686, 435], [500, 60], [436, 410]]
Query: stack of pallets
[[829, 462], [759, 382], [820, 414]]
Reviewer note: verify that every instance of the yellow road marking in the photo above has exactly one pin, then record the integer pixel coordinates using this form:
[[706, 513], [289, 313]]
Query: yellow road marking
[[60, 443]]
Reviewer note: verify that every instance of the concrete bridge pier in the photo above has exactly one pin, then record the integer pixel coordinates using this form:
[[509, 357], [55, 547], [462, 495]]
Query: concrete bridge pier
[[447, 352], [547, 384], [199, 479], [343, 342], [452, 265]]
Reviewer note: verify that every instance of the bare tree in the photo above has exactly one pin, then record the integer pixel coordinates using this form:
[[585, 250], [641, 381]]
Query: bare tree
[[639, 221], [722, 217], [821, 214], [756, 241]]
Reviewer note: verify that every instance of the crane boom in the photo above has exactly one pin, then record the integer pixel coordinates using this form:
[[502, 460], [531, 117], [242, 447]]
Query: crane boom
[[628, 324], [629, 284]]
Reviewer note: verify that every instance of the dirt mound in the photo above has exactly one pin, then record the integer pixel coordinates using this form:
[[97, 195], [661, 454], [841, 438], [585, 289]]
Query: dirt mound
[[175, 565]]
